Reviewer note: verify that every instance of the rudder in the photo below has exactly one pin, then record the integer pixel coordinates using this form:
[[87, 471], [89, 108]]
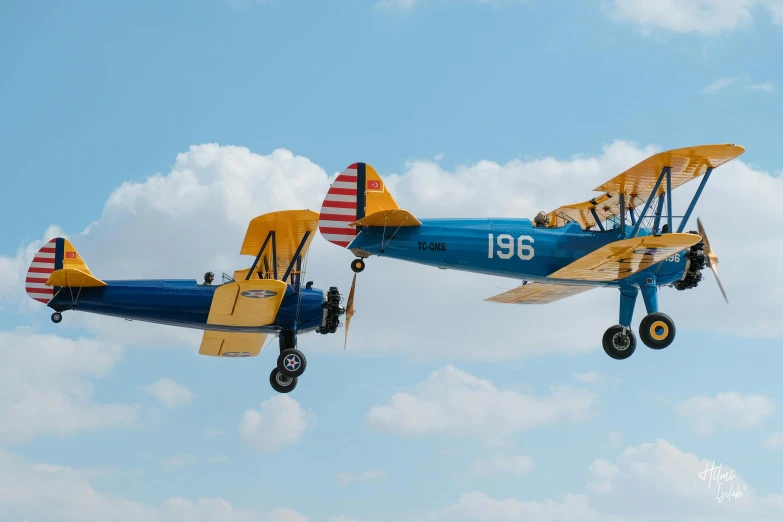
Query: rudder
[[357, 192], [56, 254]]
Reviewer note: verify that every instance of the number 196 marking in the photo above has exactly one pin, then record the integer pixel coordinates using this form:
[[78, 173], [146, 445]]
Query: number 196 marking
[[505, 247]]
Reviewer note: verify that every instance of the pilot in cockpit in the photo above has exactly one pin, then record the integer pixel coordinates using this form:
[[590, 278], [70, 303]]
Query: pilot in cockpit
[[541, 219], [208, 278]]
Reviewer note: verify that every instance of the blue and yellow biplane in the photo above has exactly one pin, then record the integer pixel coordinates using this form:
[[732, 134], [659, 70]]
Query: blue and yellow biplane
[[236, 316], [623, 238]]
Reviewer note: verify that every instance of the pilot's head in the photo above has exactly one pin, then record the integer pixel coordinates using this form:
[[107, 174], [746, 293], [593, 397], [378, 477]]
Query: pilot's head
[[209, 277]]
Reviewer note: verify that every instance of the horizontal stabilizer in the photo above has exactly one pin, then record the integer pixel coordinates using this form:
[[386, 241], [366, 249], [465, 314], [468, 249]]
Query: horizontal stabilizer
[[391, 218], [231, 344], [623, 258], [247, 303], [73, 278], [538, 293]]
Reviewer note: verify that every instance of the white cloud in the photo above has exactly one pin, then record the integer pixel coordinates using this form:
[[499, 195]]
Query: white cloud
[[603, 472], [280, 421], [45, 387], [774, 441], [45, 492], [479, 507], [170, 394], [719, 84], [763, 86], [707, 17], [346, 479], [502, 465], [652, 481], [211, 192], [452, 402], [730, 410]]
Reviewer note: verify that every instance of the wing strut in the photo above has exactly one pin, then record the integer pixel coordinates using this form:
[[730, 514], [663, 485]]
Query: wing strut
[[635, 230], [261, 251], [296, 255], [694, 200]]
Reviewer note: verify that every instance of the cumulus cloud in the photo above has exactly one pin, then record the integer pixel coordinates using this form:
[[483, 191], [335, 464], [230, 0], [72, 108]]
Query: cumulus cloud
[[193, 218], [730, 410], [707, 17], [170, 394], [280, 421], [602, 472], [30, 491], [45, 386], [652, 481], [453, 402], [502, 465]]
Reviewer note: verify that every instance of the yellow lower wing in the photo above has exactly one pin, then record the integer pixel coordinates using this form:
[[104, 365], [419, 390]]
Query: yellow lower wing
[[538, 293], [247, 303], [623, 258], [391, 218], [73, 278], [231, 344]]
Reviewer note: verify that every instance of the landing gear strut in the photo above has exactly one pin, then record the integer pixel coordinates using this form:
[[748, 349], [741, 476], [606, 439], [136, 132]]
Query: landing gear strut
[[656, 329]]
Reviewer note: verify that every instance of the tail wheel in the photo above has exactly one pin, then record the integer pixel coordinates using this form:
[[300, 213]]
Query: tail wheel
[[657, 330], [280, 383], [357, 265], [291, 363], [57, 317], [619, 342]]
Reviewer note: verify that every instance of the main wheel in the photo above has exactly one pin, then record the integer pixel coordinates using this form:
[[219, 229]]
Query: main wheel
[[280, 383], [291, 362], [657, 330], [357, 265], [619, 343], [57, 317]]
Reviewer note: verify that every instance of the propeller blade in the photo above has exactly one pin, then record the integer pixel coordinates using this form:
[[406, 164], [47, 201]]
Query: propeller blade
[[349, 310], [712, 257]]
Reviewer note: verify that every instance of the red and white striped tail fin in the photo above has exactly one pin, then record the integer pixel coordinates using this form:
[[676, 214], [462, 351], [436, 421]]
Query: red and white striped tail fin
[[341, 208], [44, 263], [357, 192]]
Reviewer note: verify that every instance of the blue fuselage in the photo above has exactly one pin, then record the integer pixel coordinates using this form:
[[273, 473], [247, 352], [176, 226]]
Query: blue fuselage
[[502, 247], [183, 303]]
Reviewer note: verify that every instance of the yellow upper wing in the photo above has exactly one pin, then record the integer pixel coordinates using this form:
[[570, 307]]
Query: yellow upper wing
[[538, 293], [231, 344], [247, 303], [623, 258], [637, 182], [289, 227]]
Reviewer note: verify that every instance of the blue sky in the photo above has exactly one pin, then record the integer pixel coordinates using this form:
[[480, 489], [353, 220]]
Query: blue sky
[[560, 95]]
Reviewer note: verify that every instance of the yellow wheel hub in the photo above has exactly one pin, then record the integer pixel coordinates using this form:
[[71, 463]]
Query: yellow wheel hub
[[654, 330]]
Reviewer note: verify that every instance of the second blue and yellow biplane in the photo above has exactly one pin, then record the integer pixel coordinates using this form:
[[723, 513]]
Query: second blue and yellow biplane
[[615, 239], [236, 316]]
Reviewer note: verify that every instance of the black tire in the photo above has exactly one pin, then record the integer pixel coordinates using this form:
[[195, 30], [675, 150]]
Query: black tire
[[280, 383], [57, 317], [291, 362], [357, 265], [657, 330], [614, 344]]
